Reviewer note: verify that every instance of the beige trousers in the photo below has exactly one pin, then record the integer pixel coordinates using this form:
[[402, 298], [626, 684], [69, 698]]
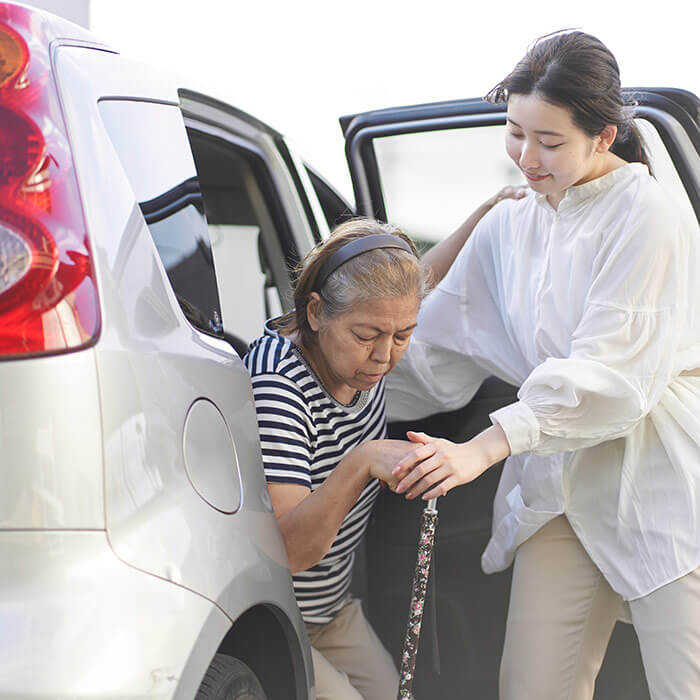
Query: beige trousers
[[349, 661], [562, 613]]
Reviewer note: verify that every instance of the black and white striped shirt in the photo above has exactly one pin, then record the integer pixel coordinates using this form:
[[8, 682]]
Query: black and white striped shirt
[[304, 433]]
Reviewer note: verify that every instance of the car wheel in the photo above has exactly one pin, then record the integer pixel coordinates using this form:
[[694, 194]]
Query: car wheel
[[230, 679]]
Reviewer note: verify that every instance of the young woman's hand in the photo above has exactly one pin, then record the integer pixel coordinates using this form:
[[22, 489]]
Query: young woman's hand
[[507, 192], [438, 465], [383, 455], [441, 256]]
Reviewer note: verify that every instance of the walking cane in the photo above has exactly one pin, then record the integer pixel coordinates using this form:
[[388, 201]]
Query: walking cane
[[426, 539]]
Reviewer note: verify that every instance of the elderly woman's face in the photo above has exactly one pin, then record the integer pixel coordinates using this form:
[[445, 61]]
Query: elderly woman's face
[[356, 349]]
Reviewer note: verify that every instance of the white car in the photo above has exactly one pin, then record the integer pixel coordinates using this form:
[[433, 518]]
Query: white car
[[146, 232], [139, 552]]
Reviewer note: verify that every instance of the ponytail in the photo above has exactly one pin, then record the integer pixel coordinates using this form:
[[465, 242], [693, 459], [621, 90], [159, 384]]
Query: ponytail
[[629, 144]]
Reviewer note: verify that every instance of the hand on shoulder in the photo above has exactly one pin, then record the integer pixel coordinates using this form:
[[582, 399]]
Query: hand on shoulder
[[507, 192]]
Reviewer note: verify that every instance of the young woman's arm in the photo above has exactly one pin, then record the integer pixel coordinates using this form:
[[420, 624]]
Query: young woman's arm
[[622, 358], [310, 520], [441, 256]]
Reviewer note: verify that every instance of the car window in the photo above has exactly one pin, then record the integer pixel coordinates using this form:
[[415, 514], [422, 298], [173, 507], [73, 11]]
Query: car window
[[662, 165], [152, 145], [335, 209], [431, 181], [245, 227]]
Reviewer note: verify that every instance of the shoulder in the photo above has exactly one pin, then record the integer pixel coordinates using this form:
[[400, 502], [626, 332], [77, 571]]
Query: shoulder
[[277, 373], [648, 214], [493, 236], [509, 211], [644, 186], [504, 221], [281, 404], [641, 196], [272, 353]]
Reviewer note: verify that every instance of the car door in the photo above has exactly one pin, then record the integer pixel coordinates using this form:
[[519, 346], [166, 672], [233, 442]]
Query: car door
[[425, 168], [260, 206]]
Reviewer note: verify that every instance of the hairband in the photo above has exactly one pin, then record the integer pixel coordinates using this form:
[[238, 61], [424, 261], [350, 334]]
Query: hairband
[[356, 247]]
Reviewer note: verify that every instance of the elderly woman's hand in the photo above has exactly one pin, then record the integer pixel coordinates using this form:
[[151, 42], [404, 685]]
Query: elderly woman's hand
[[383, 455]]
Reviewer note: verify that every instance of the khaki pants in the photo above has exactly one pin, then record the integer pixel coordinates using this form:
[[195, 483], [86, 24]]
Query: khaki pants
[[349, 661], [562, 613]]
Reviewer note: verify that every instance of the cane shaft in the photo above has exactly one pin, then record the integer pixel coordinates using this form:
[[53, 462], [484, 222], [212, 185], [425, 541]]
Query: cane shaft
[[418, 591]]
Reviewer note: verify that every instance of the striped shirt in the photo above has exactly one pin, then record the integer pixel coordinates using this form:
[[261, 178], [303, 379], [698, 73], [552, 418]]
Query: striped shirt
[[304, 433]]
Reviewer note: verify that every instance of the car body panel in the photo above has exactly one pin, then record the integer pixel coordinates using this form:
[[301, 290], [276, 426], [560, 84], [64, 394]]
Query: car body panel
[[66, 637], [51, 443], [152, 367]]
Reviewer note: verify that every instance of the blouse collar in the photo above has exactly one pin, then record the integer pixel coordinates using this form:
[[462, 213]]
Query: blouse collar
[[581, 193]]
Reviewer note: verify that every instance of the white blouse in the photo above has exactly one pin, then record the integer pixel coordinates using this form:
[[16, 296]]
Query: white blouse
[[593, 309]]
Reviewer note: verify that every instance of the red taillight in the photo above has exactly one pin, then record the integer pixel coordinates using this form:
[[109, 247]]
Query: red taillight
[[48, 295]]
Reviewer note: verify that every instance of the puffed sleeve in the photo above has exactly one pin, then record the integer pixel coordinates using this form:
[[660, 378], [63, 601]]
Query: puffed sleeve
[[461, 337], [622, 352]]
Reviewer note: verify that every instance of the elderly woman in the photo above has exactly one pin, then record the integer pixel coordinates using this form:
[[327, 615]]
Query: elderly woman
[[318, 382]]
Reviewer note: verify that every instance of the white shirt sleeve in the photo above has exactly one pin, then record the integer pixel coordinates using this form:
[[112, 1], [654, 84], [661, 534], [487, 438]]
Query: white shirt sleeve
[[460, 339], [432, 377], [621, 355]]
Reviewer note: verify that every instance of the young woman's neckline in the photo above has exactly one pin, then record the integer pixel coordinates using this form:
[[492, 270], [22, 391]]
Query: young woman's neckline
[[576, 194]]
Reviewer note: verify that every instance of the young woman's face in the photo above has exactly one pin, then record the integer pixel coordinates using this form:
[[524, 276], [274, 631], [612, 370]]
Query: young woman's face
[[356, 349], [552, 152]]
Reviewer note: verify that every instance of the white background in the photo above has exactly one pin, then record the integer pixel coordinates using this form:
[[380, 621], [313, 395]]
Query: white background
[[300, 65]]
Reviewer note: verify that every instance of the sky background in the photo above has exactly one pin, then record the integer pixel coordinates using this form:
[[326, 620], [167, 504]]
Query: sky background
[[300, 65]]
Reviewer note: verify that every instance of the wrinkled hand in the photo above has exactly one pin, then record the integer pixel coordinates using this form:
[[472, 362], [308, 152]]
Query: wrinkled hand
[[383, 455], [439, 465], [508, 192]]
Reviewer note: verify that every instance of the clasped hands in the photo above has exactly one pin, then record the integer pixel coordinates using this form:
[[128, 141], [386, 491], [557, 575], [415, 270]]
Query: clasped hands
[[429, 467]]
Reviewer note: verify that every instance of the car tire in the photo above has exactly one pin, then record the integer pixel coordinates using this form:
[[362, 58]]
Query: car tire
[[230, 679]]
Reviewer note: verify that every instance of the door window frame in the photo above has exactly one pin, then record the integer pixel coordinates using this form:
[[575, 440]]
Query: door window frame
[[256, 158], [678, 130]]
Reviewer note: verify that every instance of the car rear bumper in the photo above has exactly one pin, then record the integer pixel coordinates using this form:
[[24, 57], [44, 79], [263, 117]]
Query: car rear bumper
[[76, 622]]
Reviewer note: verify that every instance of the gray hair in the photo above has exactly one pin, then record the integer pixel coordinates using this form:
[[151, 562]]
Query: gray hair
[[378, 273]]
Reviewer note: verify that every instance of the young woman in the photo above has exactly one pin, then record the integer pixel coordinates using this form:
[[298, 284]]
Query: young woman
[[585, 294]]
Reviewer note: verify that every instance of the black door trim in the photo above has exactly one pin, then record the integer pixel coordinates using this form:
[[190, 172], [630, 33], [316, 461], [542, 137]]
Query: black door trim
[[666, 108]]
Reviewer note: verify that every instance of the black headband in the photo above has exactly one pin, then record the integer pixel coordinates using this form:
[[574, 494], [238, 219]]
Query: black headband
[[356, 247]]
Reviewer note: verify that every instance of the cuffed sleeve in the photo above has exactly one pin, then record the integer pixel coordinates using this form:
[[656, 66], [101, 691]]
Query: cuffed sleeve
[[519, 424], [612, 379]]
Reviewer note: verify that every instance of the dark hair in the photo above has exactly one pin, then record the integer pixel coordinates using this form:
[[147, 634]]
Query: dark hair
[[382, 272], [576, 70]]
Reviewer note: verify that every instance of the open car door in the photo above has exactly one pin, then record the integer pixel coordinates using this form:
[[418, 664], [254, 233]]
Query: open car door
[[426, 168]]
